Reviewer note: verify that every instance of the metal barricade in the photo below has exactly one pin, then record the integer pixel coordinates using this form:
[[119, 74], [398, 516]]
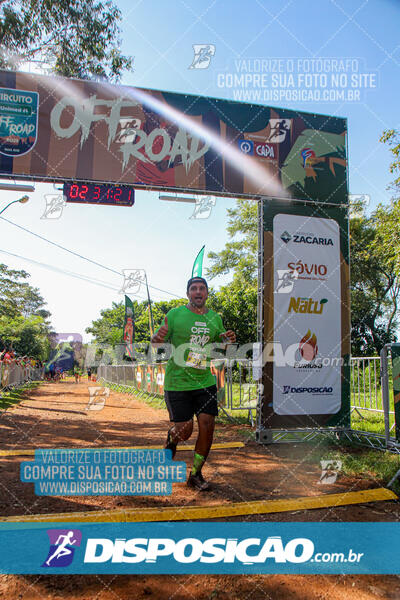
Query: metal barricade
[[13, 375], [242, 390], [366, 391], [239, 392]]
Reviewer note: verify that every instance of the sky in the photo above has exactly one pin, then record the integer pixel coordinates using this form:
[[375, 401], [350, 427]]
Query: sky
[[306, 40]]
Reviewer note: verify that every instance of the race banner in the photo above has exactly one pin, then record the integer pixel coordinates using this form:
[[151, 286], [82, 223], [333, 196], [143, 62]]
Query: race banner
[[129, 327], [103, 133], [209, 547], [306, 349], [18, 121]]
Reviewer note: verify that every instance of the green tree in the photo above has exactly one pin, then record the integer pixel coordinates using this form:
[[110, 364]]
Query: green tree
[[391, 137], [108, 329], [239, 255], [27, 336], [77, 38], [17, 297], [237, 301], [24, 324], [237, 305], [375, 286]]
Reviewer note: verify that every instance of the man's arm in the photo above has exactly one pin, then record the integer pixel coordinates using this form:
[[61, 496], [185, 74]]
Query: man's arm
[[160, 335], [228, 337]]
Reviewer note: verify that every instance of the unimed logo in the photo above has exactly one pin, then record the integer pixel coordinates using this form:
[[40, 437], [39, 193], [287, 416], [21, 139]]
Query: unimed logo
[[190, 550]]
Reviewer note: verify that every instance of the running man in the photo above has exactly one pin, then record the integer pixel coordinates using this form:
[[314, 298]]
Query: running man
[[77, 375], [62, 542], [189, 385]]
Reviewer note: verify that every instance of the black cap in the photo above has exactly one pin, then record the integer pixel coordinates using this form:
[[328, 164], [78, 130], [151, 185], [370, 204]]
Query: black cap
[[195, 280]]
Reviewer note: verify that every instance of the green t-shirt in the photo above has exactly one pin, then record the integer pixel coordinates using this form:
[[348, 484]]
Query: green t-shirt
[[191, 335]]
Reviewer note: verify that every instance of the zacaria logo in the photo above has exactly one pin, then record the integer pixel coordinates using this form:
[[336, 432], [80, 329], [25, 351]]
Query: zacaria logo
[[308, 346]]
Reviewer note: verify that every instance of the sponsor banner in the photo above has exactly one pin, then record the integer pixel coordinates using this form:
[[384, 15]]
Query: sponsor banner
[[307, 319], [103, 133], [18, 121], [306, 316], [214, 547]]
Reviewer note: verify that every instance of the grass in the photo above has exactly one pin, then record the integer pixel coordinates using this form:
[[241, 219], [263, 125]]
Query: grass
[[152, 400], [361, 419], [371, 422], [362, 463], [16, 395]]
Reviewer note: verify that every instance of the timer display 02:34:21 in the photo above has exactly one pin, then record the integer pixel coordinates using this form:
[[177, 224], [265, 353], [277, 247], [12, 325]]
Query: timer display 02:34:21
[[99, 194]]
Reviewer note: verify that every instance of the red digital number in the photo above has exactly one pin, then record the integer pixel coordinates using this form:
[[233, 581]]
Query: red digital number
[[96, 193], [117, 194], [83, 192], [74, 191]]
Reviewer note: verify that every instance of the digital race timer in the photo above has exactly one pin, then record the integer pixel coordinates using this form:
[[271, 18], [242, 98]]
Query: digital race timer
[[92, 193]]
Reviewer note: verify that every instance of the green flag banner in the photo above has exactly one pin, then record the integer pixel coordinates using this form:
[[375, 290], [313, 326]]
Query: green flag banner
[[198, 264], [129, 327]]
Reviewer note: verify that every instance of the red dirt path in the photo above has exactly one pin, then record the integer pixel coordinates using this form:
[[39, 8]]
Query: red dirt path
[[54, 416]]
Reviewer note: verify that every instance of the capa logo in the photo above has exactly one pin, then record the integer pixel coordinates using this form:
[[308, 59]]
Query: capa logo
[[191, 550], [265, 150], [307, 306]]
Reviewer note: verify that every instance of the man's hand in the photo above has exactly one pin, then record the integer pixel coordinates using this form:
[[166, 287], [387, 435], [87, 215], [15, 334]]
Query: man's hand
[[158, 338], [228, 337]]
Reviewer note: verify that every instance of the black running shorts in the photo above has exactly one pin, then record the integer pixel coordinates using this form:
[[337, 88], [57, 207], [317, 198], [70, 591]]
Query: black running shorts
[[182, 406]]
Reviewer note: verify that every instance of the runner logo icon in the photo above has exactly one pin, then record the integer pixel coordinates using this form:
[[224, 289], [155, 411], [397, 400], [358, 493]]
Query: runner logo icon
[[61, 552]]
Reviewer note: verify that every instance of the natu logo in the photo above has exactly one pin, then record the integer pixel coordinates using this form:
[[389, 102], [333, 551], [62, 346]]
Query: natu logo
[[307, 306]]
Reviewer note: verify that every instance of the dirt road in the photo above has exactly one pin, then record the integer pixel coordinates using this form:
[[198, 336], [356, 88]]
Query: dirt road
[[54, 415]]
